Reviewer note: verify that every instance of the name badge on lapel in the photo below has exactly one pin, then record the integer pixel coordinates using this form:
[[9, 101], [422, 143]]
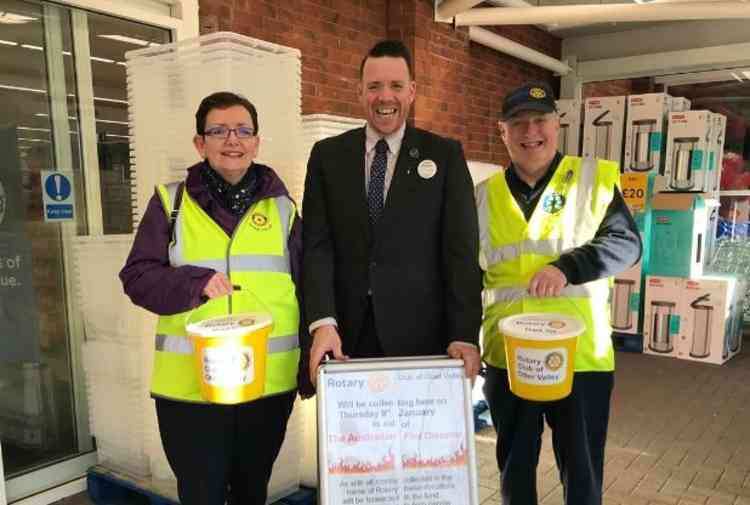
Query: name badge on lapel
[[427, 169]]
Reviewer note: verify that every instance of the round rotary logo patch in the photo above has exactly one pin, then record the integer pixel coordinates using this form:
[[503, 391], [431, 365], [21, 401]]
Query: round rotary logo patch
[[259, 221], [553, 203], [537, 93], [554, 361]]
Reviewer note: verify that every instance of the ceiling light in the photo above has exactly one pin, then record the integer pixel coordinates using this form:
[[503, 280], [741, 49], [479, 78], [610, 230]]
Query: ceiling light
[[10, 18], [42, 114], [118, 136], [129, 40], [35, 48], [109, 121], [19, 88], [113, 100], [8, 42], [29, 128], [33, 140], [103, 60], [736, 76]]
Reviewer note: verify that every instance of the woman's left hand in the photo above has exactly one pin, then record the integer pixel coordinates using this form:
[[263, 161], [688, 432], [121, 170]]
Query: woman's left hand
[[218, 285]]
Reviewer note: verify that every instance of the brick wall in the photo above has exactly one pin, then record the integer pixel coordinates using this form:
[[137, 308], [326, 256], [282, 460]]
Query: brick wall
[[459, 84], [333, 36], [618, 87]]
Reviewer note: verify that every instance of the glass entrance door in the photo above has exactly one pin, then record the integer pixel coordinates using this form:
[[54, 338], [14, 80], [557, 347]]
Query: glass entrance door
[[37, 95], [62, 108]]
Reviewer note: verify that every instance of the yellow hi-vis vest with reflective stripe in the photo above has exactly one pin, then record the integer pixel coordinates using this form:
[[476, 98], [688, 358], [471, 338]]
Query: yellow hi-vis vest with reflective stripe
[[255, 257], [512, 250]]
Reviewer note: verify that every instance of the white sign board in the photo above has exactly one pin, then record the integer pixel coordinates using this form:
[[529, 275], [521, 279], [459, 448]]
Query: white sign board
[[58, 196], [396, 432]]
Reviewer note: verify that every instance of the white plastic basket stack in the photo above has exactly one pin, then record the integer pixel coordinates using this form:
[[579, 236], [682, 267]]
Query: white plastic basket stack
[[481, 171], [117, 353], [320, 126], [167, 83], [165, 87]]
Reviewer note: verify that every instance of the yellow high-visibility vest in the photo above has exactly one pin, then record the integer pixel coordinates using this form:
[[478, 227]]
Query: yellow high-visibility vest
[[255, 257], [512, 250]]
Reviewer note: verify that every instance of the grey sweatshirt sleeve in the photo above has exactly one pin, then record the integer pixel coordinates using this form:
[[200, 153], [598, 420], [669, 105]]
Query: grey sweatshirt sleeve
[[615, 247]]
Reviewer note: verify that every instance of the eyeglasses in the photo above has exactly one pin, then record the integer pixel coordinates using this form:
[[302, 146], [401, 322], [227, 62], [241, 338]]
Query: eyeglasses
[[222, 132]]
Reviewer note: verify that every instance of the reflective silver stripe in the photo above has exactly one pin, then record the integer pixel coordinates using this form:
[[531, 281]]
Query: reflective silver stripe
[[510, 252], [172, 192], [283, 344], [585, 227], [517, 293], [183, 345], [258, 263], [171, 343], [176, 253], [218, 265], [284, 205], [483, 212]]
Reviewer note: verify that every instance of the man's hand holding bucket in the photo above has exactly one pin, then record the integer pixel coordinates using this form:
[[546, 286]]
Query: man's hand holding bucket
[[549, 281]]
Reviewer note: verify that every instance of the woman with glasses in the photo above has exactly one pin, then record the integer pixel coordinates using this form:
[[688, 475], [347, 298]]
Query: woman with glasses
[[225, 240]]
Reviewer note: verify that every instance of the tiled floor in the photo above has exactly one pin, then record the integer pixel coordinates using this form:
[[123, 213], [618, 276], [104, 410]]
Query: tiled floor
[[679, 435]]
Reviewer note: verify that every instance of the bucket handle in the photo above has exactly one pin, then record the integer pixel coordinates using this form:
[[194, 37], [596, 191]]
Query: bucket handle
[[237, 290], [522, 294]]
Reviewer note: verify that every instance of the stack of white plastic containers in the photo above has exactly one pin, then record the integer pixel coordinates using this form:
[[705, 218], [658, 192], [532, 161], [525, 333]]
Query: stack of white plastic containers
[[319, 126], [167, 83], [165, 86], [116, 341]]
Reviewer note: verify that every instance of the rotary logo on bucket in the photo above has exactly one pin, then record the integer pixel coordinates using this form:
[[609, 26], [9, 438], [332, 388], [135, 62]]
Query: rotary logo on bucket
[[540, 352], [230, 356]]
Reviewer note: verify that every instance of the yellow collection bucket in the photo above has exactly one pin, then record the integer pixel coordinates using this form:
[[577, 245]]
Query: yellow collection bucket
[[540, 353], [230, 356]]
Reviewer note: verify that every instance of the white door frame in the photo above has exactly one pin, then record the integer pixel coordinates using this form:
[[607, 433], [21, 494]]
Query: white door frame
[[180, 17]]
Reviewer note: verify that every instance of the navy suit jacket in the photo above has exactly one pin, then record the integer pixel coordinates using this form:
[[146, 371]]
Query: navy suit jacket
[[420, 261]]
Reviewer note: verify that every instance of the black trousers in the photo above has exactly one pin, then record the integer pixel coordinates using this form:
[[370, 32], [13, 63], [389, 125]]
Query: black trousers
[[223, 453], [579, 432]]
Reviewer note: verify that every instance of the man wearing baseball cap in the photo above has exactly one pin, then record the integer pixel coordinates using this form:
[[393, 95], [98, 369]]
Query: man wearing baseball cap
[[553, 229]]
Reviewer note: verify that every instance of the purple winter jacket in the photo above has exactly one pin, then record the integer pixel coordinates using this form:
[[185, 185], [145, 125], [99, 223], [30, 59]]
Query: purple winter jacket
[[152, 283]]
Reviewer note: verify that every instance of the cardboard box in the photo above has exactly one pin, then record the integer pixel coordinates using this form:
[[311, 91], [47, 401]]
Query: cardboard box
[[661, 315], [679, 104], [569, 139], [637, 190], [686, 166], [603, 126], [678, 235], [712, 316], [646, 132]]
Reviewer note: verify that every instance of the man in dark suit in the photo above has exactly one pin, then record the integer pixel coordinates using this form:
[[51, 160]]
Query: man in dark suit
[[390, 232]]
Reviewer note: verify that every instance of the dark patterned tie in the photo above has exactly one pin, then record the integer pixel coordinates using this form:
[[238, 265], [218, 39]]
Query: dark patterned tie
[[377, 181]]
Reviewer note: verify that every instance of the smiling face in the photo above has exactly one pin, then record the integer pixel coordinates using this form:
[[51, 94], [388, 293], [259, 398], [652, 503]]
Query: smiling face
[[531, 140], [232, 156], [386, 92]]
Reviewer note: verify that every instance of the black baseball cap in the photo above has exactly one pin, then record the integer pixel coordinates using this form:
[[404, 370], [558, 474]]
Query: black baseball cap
[[537, 96]]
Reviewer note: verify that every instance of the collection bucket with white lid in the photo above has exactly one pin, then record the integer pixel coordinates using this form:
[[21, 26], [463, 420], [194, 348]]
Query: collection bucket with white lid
[[540, 353], [230, 356]]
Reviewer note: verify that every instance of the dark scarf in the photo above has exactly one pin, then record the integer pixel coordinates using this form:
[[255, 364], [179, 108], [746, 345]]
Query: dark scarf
[[235, 198]]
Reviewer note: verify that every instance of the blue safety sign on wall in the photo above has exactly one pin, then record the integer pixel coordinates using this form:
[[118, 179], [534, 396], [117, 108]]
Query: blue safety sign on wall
[[58, 196]]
